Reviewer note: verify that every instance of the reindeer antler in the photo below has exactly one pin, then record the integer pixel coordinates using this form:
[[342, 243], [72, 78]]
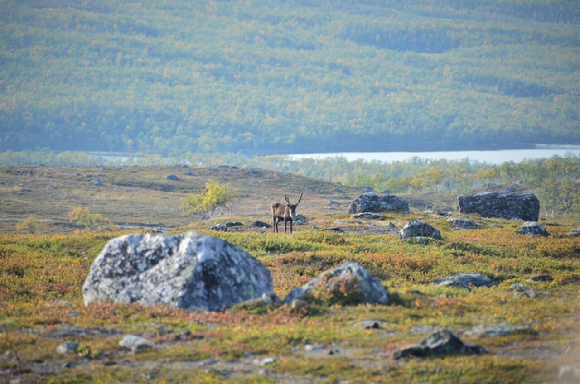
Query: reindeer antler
[[300, 198], [287, 199]]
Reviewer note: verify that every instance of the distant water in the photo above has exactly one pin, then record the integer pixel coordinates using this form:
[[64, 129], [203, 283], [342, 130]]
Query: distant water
[[492, 157]]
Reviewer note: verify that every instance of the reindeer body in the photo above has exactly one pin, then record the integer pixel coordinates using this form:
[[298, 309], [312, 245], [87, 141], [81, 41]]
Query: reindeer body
[[285, 212]]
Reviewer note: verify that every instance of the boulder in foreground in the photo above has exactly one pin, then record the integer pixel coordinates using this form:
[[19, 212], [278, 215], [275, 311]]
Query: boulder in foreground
[[190, 271]]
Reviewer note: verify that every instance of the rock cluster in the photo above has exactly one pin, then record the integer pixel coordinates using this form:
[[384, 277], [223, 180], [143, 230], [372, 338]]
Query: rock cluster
[[191, 271], [518, 206], [371, 202]]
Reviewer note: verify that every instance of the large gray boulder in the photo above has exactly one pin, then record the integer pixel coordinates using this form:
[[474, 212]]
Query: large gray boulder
[[371, 202], [511, 206], [348, 284], [417, 228], [190, 271]]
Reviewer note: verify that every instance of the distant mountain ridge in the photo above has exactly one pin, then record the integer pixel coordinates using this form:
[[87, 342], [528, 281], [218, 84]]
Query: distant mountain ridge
[[288, 76]]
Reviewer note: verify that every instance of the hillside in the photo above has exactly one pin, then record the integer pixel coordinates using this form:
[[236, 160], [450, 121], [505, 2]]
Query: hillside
[[284, 77], [142, 197]]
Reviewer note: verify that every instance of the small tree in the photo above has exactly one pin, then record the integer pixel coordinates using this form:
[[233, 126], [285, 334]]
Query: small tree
[[216, 197], [31, 225], [91, 221]]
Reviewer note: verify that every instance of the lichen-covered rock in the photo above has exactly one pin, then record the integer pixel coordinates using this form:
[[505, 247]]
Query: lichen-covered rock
[[371, 202], [191, 271], [574, 233], [462, 222], [465, 280], [348, 284], [439, 343], [518, 206], [366, 215], [417, 228], [532, 228]]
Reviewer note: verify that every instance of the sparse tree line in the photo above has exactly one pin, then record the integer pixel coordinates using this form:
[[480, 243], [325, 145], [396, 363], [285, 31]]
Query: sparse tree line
[[556, 181]]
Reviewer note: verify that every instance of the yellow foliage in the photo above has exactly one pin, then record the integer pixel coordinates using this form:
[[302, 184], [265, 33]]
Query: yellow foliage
[[216, 197], [31, 225], [91, 221]]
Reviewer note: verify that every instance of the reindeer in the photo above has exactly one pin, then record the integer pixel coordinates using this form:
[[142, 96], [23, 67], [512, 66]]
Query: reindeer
[[286, 212]]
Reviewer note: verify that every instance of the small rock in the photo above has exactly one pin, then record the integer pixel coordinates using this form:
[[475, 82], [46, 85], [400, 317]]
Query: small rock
[[172, 177], [518, 287], [132, 341], [418, 228], [219, 227], [266, 361], [569, 374], [532, 228], [188, 173], [67, 347], [465, 280], [221, 372], [233, 223], [437, 344], [366, 215], [259, 224], [542, 278], [313, 347], [370, 324], [97, 182], [300, 219], [574, 233], [88, 176]]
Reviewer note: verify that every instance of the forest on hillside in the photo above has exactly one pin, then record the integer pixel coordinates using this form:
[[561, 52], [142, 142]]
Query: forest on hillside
[[265, 77]]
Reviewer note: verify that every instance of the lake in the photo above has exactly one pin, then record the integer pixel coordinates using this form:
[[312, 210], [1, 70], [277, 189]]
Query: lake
[[492, 157]]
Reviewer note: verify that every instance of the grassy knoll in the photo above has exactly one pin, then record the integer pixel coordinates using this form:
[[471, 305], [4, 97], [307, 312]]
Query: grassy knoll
[[41, 302]]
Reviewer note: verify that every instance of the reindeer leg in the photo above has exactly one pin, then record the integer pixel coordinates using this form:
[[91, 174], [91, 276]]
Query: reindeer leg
[[290, 226], [285, 225]]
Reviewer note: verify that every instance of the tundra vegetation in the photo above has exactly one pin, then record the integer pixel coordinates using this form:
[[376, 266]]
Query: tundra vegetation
[[41, 276]]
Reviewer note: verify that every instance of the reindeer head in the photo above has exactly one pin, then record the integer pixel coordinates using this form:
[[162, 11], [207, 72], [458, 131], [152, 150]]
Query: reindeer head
[[292, 207]]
